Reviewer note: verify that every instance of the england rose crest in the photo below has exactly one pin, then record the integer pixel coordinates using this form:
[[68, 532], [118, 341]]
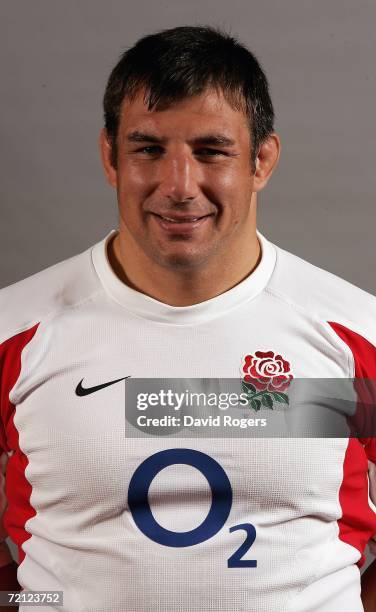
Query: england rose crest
[[266, 378]]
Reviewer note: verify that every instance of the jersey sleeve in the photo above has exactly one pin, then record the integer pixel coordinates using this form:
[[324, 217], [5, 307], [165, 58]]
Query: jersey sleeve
[[372, 494], [5, 556], [10, 368], [364, 421], [8, 569]]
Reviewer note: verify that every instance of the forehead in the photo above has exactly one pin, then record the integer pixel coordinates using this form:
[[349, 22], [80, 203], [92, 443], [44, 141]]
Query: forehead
[[209, 110]]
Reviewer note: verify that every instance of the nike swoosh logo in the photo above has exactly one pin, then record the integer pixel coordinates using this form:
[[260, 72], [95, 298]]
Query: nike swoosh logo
[[81, 391]]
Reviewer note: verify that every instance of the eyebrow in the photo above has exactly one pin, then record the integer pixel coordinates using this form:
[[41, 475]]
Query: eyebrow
[[205, 139]]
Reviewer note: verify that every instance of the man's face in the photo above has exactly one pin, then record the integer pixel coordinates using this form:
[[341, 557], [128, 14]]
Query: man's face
[[184, 179]]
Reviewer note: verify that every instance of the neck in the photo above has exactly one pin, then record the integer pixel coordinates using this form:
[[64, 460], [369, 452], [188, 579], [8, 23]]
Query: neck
[[184, 288]]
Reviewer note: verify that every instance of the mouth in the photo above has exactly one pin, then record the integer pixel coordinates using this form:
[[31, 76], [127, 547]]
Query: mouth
[[181, 223]]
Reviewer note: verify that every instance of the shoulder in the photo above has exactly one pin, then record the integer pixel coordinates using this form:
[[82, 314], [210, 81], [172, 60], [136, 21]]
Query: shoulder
[[322, 295], [27, 302]]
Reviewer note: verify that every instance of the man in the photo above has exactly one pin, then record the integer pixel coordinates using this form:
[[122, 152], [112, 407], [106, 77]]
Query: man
[[186, 288]]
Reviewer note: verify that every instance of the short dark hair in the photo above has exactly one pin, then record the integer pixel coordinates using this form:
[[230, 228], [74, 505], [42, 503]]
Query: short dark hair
[[181, 62]]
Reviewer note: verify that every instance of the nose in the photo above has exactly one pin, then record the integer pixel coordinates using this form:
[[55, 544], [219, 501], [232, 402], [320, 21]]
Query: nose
[[179, 177]]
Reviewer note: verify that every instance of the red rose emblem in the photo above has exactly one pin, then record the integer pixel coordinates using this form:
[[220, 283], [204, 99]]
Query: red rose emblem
[[267, 371]]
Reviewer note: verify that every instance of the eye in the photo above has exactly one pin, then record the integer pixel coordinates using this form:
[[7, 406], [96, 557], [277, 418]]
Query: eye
[[156, 149], [152, 149], [210, 152]]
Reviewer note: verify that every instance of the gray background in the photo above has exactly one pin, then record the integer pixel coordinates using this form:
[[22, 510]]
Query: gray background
[[319, 57]]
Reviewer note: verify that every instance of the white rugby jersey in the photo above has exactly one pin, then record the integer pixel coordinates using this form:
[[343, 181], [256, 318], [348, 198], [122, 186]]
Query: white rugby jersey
[[125, 524]]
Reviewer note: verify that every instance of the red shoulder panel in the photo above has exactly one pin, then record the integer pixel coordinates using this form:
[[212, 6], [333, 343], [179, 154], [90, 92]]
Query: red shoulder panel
[[17, 488], [358, 522]]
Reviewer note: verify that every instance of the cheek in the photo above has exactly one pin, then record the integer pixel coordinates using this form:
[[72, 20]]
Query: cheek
[[132, 178], [225, 178], [232, 184], [234, 191], [133, 188]]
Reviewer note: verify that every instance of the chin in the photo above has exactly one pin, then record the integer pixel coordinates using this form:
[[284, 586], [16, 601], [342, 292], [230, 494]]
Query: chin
[[182, 261]]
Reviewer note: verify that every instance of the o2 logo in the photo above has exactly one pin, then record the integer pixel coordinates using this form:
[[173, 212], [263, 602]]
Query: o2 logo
[[221, 492]]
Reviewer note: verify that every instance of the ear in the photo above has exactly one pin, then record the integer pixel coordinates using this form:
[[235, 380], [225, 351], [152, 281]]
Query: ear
[[266, 161], [106, 151]]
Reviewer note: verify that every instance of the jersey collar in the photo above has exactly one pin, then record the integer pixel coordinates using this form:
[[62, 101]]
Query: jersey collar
[[149, 308]]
